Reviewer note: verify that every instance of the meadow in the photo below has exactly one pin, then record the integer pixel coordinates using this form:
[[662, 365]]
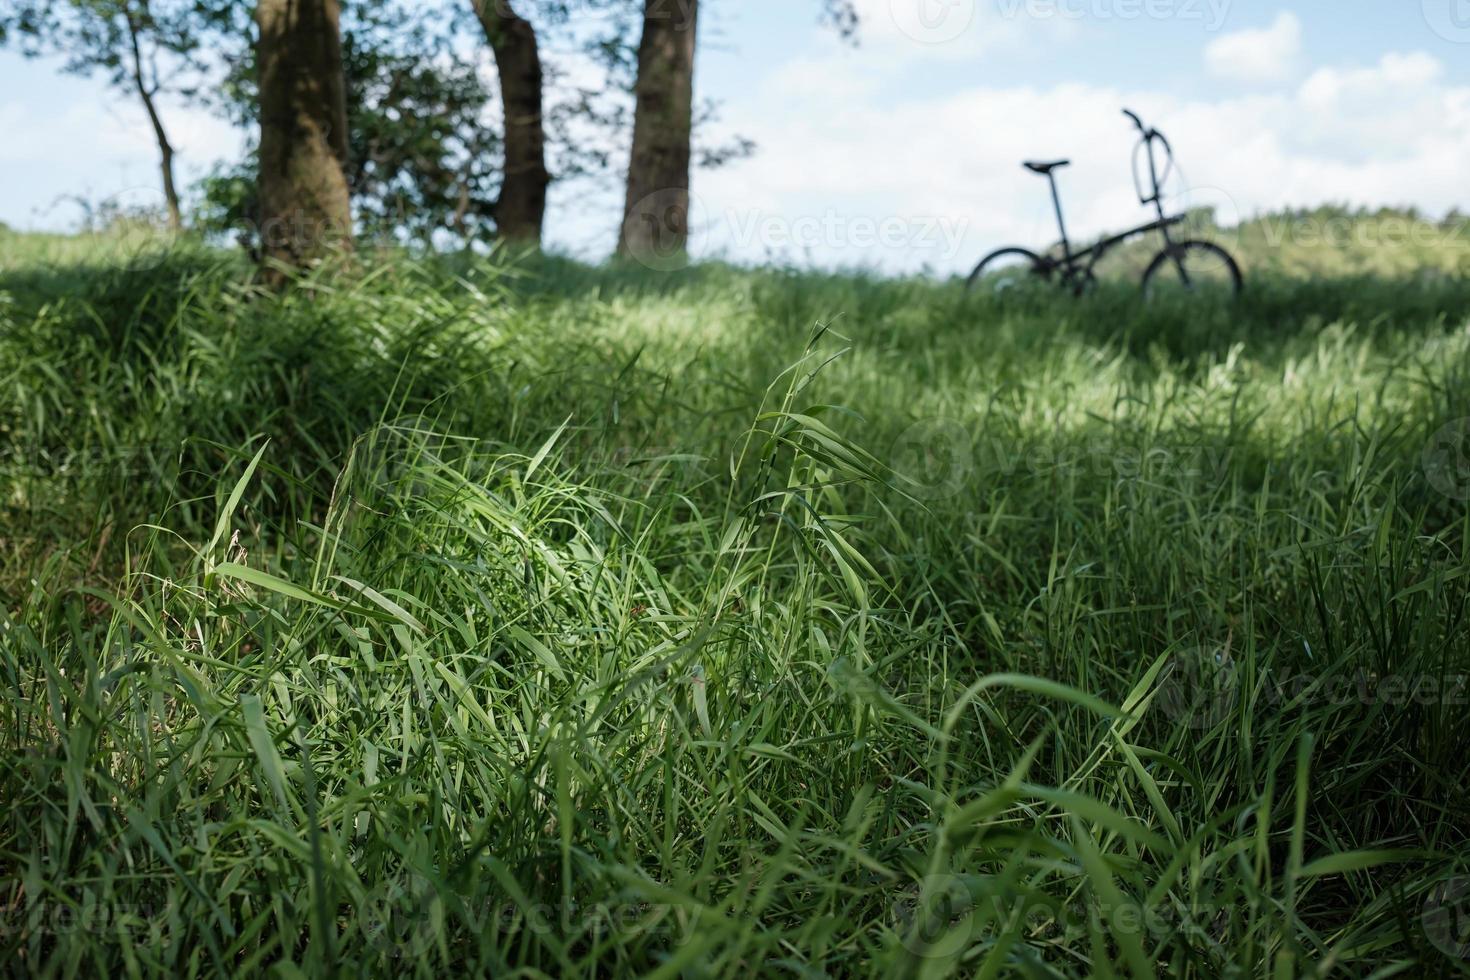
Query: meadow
[[504, 615]]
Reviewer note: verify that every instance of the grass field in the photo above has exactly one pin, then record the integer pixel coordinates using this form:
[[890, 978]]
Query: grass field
[[524, 618]]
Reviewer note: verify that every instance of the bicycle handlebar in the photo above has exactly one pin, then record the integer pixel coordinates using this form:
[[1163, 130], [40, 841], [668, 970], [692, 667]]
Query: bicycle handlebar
[[1158, 179], [1168, 150], [1148, 134]]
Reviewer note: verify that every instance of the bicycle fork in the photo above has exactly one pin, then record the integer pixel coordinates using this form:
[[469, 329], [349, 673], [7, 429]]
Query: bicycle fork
[[1158, 202]]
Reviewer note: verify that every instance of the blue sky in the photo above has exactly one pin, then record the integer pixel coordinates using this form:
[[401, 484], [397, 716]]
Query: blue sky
[[902, 153]]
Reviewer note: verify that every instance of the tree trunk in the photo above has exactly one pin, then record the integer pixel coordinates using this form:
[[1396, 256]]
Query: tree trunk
[[166, 161], [656, 214], [165, 148], [304, 205], [520, 211]]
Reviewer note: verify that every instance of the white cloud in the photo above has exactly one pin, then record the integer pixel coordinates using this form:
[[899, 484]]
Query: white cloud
[[1259, 55], [101, 150], [859, 165], [955, 30], [832, 170]]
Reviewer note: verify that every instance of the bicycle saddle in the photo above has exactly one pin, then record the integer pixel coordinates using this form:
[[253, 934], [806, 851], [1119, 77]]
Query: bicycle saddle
[[1045, 168]]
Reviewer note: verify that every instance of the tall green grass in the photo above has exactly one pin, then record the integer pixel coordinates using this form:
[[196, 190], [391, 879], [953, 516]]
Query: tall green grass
[[521, 618]]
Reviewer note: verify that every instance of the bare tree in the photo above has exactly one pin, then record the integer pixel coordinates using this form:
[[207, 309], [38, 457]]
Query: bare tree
[[146, 48], [521, 210], [656, 212], [304, 204], [656, 209]]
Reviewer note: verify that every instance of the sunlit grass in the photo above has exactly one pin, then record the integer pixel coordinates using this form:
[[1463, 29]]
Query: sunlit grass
[[456, 618]]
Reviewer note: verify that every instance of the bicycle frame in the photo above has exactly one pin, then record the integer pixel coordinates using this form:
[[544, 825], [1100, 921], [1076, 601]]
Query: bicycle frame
[[1195, 261], [1071, 262], [1098, 250]]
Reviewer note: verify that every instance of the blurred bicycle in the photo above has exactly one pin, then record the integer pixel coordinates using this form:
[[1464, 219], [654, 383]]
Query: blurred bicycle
[[1189, 265]]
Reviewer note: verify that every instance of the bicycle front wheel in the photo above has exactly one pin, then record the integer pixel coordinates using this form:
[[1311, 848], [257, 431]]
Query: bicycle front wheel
[[1007, 268], [1192, 267]]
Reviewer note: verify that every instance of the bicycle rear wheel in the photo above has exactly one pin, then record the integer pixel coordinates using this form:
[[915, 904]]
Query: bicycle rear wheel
[[1007, 268], [1192, 267]]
